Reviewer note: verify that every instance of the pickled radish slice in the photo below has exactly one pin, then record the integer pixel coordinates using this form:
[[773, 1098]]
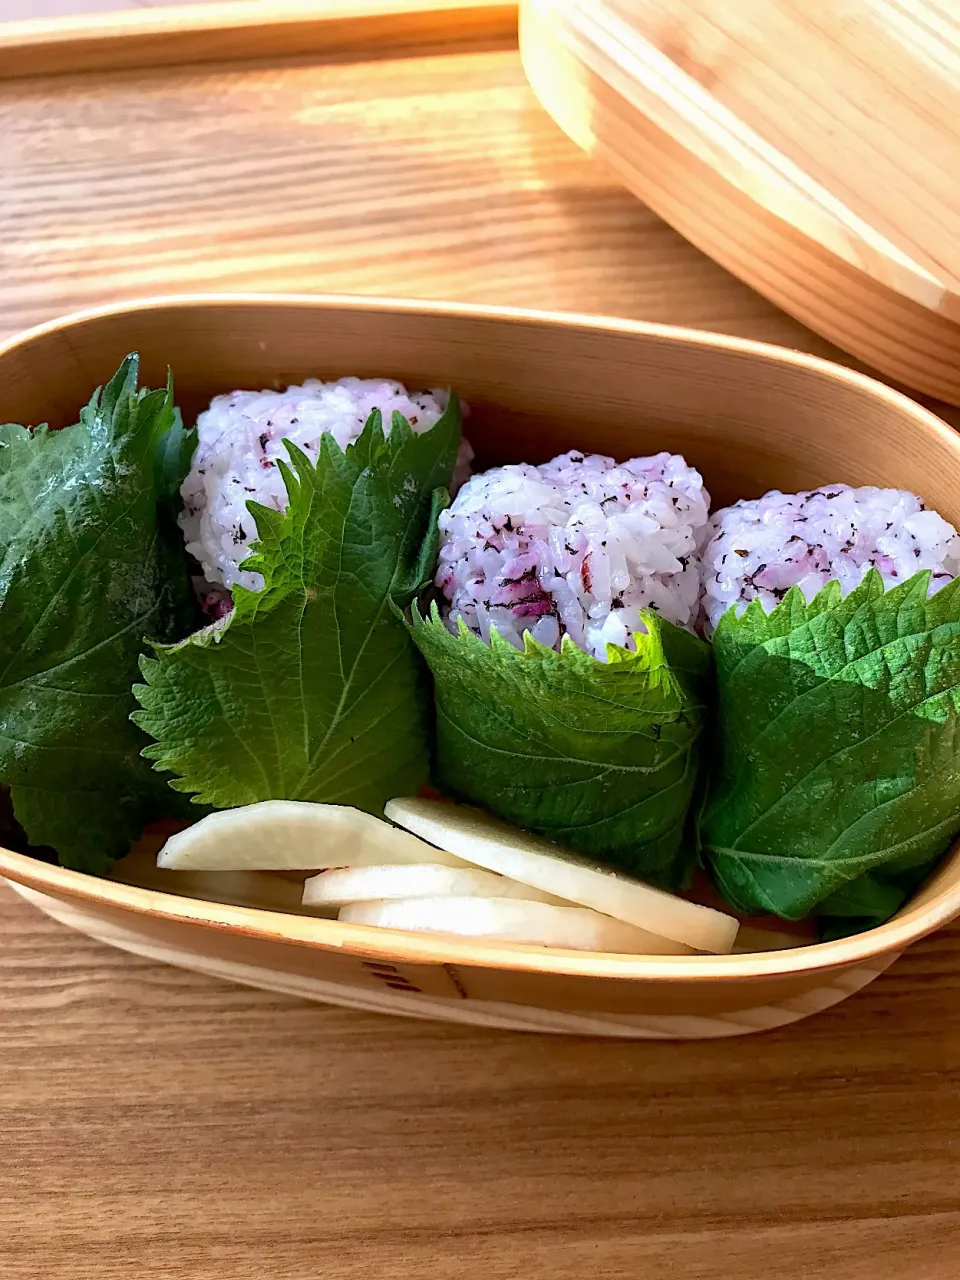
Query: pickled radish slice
[[368, 884], [293, 835], [475, 837], [510, 920]]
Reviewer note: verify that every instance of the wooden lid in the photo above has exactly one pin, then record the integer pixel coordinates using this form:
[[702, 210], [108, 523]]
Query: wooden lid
[[809, 146]]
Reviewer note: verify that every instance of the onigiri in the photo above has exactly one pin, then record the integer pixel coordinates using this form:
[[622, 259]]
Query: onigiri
[[239, 440], [576, 547], [759, 548]]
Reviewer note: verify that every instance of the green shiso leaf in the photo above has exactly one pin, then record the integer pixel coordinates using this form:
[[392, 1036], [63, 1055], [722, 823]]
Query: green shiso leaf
[[601, 757], [312, 689], [838, 780], [87, 569], [174, 455]]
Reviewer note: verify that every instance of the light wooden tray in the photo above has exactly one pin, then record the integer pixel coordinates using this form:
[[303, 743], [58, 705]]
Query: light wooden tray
[[161, 1123], [811, 147]]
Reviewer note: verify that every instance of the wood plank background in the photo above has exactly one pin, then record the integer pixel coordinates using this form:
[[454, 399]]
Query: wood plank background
[[158, 1124]]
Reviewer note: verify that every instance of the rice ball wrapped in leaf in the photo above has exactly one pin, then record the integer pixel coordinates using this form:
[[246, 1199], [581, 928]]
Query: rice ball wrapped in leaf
[[241, 450], [310, 687], [570, 687], [836, 619]]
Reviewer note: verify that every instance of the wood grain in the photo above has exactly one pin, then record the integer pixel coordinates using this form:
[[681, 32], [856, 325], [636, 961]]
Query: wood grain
[[432, 176], [808, 146], [158, 1124], [224, 31]]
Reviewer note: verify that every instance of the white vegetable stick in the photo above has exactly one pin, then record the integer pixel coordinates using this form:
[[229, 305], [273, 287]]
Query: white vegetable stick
[[509, 920], [476, 837], [293, 835], [368, 884]]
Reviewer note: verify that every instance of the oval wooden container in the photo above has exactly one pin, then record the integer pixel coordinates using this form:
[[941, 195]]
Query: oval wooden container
[[809, 147], [751, 417]]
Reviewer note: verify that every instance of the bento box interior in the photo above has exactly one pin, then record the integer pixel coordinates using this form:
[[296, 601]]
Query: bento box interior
[[534, 387], [749, 417]]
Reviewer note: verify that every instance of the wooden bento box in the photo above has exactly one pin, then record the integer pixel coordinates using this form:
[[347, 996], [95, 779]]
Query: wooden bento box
[[750, 417]]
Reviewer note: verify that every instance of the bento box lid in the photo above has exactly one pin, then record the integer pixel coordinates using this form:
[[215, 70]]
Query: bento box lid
[[808, 146]]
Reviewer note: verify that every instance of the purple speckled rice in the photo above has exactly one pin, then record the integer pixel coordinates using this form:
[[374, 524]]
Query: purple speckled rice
[[239, 441], [762, 547], [574, 547]]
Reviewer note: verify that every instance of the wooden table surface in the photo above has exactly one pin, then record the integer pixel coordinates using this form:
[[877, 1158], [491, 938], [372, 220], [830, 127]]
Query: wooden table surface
[[154, 1123]]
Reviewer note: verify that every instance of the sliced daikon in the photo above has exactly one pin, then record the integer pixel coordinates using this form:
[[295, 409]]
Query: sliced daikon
[[368, 884], [476, 837], [293, 835], [509, 920]]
